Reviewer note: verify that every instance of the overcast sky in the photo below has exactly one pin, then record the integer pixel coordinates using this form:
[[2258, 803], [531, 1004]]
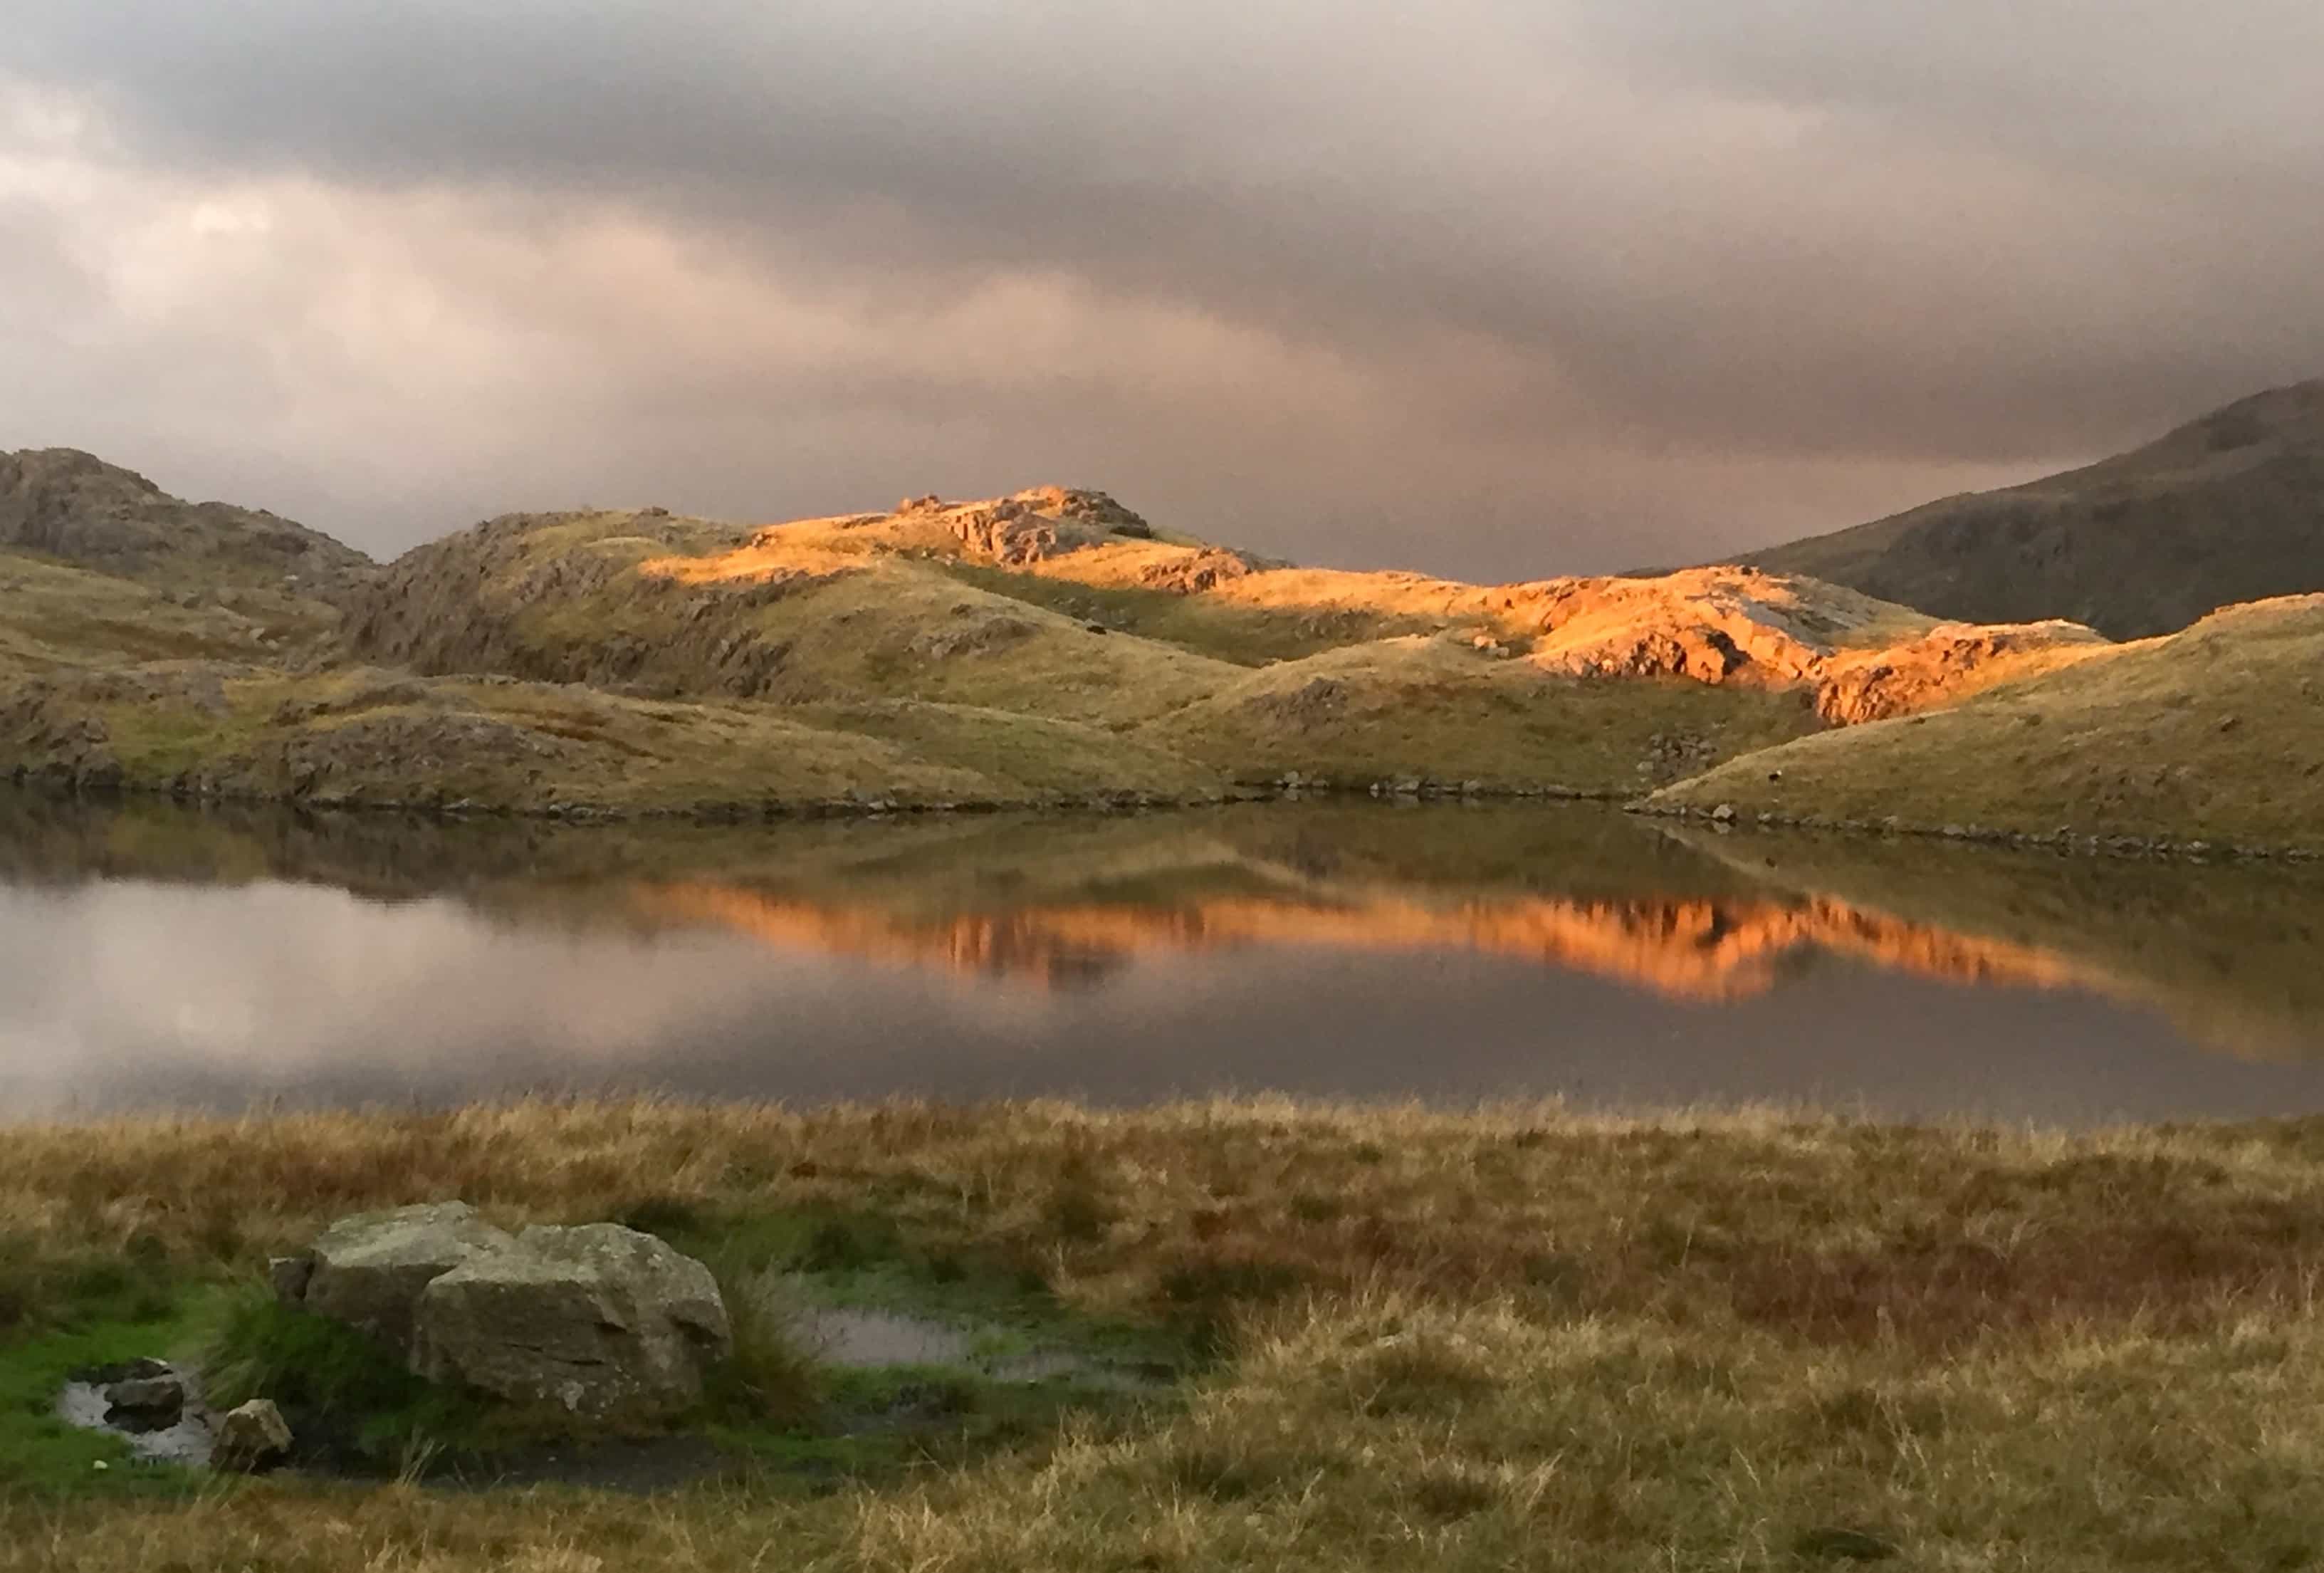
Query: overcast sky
[[1501, 287]]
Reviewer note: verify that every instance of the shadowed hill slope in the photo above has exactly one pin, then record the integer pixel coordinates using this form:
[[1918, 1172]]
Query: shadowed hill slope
[[2216, 733], [65, 504], [98, 564], [2229, 508]]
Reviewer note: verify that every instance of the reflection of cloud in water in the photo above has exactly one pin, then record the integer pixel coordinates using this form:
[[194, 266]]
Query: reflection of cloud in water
[[269, 979], [132, 993], [110, 989]]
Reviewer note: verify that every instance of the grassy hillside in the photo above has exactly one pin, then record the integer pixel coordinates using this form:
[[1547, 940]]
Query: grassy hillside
[[1511, 1339], [2214, 734], [56, 618], [369, 736], [1049, 643], [2227, 509], [1434, 707]]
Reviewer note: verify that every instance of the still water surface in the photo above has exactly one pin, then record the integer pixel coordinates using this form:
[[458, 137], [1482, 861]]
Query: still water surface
[[152, 956]]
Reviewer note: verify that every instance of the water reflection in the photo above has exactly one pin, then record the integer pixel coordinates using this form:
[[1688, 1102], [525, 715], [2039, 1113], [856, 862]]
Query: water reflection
[[1683, 949], [151, 956]]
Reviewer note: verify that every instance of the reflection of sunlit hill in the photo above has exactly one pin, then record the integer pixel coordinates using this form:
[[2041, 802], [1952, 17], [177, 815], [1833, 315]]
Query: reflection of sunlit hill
[[2226, 951], [1694, 949], [2229, 952]]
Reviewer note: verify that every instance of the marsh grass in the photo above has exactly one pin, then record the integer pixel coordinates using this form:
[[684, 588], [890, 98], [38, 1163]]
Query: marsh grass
[[340, 1387], [772, 1378], [1517, 1338]]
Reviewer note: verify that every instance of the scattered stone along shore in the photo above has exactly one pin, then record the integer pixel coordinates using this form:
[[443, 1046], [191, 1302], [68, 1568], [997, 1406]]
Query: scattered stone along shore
[[1292, 788], [853, 805], [1727, 817]]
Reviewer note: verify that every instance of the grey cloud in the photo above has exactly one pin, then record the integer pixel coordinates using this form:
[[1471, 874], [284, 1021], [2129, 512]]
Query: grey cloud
[[1592, 262]]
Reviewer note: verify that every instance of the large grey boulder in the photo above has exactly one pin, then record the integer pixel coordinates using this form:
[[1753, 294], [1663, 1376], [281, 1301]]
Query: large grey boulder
[[369, 1271], [599, 1320]]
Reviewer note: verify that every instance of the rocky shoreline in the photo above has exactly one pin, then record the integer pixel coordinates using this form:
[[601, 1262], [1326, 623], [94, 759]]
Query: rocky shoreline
[[1292, 788], [1725, 816]]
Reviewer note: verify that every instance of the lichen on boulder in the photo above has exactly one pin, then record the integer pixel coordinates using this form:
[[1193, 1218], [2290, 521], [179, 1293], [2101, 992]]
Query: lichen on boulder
[[596, 1320], [370, 1270], [599, 1320]]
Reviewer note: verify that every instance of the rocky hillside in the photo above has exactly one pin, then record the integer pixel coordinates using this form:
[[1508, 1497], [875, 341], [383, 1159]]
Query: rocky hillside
[[2226, 510], [2216, 733], [1065, 603], [60, 504], [97, 563], [1049, 644]]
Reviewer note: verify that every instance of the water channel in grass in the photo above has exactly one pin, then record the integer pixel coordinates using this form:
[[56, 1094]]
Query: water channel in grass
[[159, 957]]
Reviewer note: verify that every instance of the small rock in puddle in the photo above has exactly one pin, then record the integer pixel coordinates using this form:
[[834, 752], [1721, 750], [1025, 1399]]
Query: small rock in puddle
[[155, 1406]]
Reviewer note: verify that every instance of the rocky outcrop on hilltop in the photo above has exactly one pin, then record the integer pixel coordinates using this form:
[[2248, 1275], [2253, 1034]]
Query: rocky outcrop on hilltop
[[1031, 526], [2206, 740], [1713, 626], [1864, 660], [1944, 666]]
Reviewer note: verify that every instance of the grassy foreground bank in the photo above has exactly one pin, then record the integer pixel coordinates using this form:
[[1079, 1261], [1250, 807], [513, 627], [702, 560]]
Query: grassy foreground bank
[[1515, 1338]]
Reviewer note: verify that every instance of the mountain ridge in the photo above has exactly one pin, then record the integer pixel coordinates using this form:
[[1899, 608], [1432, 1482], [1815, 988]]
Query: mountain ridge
[[2224, 509]]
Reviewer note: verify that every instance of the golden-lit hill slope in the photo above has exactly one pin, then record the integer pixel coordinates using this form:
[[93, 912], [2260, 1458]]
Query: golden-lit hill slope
[[2227, 509], [1064, 605], [1049, 644], [2214, 734]]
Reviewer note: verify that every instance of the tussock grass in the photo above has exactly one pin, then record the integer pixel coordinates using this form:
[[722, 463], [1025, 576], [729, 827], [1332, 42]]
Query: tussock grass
[[1517, 1337]]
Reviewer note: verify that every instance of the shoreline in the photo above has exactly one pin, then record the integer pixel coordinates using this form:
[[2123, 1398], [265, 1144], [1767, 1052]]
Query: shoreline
[[1403, 790], [1725, 817]]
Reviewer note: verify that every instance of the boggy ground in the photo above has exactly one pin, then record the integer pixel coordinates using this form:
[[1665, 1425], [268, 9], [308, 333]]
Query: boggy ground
[[1509, 1339]]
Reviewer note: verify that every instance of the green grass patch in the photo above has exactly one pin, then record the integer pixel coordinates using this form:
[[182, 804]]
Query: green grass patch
[[60, 1315]]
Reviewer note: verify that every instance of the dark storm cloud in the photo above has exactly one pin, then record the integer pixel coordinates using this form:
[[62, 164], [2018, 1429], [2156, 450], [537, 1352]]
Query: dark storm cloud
[[1516, 286]]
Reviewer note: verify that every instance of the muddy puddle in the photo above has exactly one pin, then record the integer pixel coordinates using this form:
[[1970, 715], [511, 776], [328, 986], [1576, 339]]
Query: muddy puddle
[[86, 1402], [862, 1339]]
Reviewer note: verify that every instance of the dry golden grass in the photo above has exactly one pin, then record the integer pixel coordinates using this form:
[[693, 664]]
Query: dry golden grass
[[1515, 1337]]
